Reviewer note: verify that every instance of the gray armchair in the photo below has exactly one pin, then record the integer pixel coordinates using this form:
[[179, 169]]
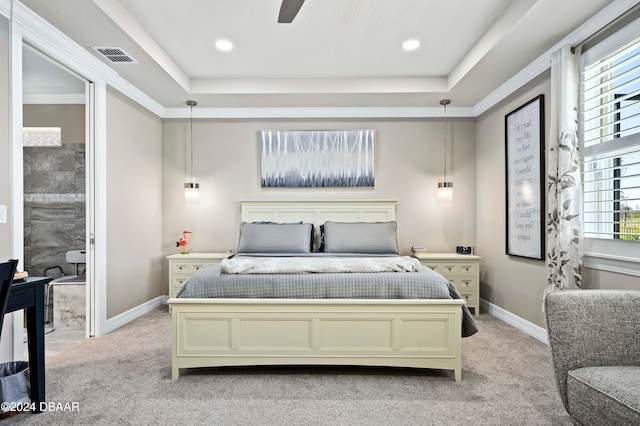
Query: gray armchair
[[595, 347]]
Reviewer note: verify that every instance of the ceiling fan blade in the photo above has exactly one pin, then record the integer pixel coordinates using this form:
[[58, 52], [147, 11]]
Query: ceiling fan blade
[[288, 10]]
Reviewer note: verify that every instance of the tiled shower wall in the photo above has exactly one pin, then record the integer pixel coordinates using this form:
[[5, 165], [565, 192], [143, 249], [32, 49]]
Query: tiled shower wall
[[54, 206]]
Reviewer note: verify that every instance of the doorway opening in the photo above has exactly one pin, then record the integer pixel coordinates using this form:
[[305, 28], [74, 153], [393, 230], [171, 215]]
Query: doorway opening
[[55, 193]]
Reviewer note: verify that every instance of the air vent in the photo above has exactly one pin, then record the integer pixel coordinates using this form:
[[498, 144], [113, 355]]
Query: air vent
[[115, 55]]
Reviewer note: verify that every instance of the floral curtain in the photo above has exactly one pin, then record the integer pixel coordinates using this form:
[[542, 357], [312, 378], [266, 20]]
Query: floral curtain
[[564, 197]]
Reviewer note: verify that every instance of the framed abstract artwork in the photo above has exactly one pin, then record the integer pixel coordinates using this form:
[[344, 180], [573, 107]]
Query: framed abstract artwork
[[317, 158]]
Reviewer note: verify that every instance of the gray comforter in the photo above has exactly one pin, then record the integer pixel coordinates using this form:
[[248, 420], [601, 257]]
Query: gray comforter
[[425, 284]]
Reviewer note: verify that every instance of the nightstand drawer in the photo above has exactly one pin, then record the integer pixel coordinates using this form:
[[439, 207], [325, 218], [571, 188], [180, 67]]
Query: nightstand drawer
[[449, 270], [467, 269], [466, 285], [178, 282], [197, 267], [180, 267], [434, 266], [471, 298]]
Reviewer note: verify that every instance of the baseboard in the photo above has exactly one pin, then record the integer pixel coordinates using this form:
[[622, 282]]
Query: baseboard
[[133, 313], [520, 323]]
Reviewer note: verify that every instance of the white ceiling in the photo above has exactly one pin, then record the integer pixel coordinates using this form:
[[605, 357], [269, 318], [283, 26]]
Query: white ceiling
[[335, 53], [328, 38]]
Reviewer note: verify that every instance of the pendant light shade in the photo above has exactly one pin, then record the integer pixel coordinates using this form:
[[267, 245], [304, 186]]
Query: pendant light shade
[[445, 192], [191, 185], [192, 192], [445, 185]]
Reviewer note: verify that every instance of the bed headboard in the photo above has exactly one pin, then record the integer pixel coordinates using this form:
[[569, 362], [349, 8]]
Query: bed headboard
[[318, 211]]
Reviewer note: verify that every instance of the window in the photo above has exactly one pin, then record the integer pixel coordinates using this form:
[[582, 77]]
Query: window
[[611, 143]]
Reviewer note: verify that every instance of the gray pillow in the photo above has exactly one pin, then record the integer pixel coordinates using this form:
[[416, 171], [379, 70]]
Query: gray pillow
[[275, 238], [313, 232], [360, 237]]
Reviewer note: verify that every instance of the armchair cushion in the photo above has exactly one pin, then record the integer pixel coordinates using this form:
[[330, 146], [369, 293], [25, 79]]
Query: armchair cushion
[[596, 395]]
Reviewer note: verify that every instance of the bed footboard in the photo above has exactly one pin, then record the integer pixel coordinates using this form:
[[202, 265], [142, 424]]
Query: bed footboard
[[235, 332]]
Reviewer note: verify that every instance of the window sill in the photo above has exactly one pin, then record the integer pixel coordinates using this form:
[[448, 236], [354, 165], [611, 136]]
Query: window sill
[[610, 263]]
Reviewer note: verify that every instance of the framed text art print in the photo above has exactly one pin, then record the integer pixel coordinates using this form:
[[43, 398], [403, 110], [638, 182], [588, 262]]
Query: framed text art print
[[524, 145], [317, 158]]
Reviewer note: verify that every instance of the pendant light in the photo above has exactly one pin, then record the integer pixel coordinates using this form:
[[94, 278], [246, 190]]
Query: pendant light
[[445, 186], [191, 185]]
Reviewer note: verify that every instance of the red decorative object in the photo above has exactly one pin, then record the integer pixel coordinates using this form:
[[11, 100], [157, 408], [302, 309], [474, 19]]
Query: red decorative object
[[183, 242]]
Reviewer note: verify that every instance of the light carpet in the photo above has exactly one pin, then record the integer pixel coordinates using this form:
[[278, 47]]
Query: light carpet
[[123, 378]]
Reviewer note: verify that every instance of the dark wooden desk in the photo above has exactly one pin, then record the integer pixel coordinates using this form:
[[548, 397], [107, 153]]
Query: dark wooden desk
[[29, 294]]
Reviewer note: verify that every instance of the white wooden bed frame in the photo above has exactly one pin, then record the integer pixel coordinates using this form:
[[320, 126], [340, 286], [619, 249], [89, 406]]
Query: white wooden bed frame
[[422, 333]]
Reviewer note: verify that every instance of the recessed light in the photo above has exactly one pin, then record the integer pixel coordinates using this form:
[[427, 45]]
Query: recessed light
[[224, 45], [411, 44]]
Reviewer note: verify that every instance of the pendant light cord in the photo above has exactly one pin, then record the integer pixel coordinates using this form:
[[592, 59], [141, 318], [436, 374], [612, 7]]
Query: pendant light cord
[[444, 103], [192, 142], [445, 143], [191, 104]]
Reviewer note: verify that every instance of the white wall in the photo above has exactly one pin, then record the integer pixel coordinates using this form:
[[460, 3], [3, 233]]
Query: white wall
[[408, 160], [513, 283], [596, 279], [69, 117], [134, 204]]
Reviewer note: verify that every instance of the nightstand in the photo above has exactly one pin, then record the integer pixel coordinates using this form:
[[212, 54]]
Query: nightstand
[[184, 266], [463, 270]]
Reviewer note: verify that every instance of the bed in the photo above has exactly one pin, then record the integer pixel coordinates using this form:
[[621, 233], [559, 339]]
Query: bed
[[297, 329]]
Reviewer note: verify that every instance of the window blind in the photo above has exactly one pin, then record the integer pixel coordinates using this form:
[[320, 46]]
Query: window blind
[[610, 134]]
